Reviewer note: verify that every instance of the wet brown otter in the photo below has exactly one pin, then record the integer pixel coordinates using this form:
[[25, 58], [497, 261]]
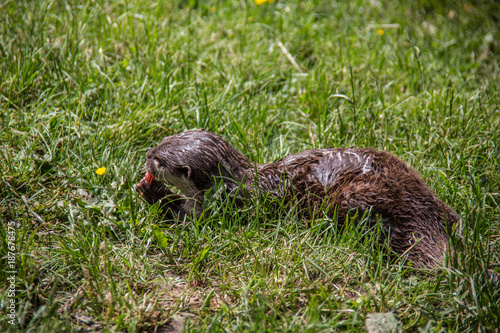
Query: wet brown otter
[[322, 181]]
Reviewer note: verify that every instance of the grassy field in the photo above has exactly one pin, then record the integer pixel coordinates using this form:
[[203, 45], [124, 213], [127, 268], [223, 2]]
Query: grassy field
[[96, 84]]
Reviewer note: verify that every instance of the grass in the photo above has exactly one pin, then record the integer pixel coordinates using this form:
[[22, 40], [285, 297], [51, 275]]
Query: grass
[[96, 84]]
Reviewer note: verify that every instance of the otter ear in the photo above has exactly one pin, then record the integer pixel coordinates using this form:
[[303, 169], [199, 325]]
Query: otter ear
[[185, 170]]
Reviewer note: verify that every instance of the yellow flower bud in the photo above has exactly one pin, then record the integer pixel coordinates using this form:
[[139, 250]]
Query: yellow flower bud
[[101, 171]]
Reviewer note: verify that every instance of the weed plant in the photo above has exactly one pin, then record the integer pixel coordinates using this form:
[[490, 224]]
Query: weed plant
[[86, 85]]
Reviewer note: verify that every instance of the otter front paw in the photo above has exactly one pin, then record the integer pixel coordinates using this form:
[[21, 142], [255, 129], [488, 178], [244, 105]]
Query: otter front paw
[[151, 190]]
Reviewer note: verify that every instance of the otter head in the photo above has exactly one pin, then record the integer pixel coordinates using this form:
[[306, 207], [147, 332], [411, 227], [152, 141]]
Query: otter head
[[192, 160]]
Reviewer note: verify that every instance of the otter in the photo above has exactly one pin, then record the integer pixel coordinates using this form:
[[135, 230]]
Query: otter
[[335, 181]]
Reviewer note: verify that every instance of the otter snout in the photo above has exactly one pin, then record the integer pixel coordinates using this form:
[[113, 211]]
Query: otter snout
[[152, 164]]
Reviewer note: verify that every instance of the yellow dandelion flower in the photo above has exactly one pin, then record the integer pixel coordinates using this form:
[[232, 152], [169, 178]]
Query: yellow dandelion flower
[[101, 171], [380, 32], [212, 9], [260, 2]]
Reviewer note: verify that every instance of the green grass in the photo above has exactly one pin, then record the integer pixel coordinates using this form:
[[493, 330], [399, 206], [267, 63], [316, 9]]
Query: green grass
[[97, 84]]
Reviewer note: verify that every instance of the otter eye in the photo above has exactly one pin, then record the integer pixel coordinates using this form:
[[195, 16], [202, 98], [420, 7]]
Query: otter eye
[[184, 170]]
